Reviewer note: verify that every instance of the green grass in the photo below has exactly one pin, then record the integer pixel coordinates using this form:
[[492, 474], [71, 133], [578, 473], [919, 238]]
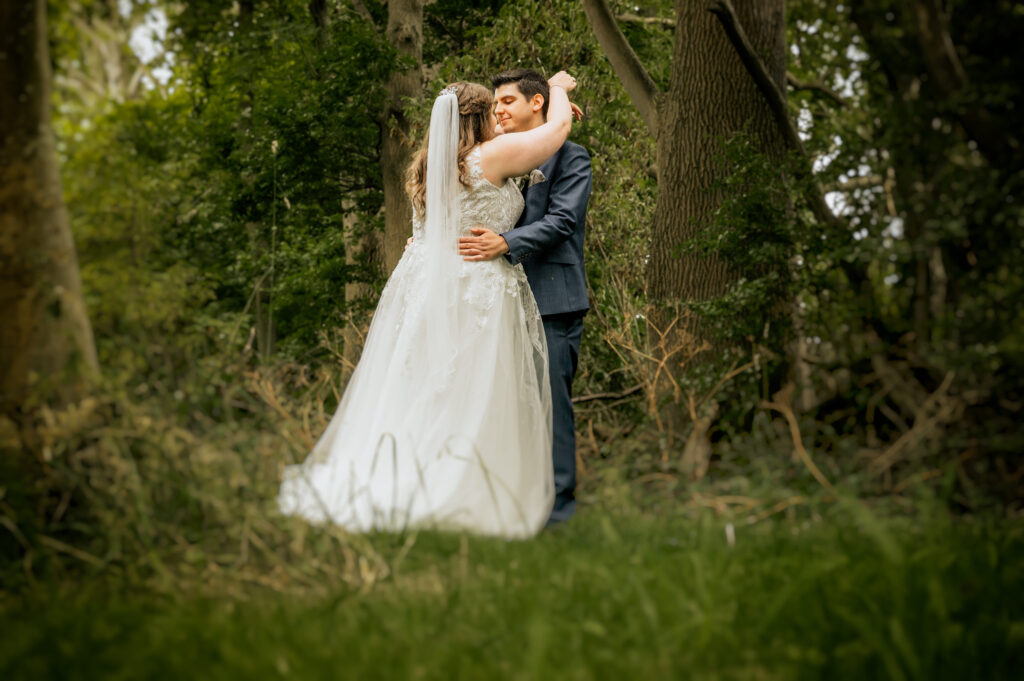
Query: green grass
[[846, 595]]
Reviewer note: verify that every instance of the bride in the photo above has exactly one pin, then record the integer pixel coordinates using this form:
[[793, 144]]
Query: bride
[[446, 421]]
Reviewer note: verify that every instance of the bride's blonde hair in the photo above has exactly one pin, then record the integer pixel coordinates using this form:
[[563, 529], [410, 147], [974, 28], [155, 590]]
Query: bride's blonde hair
[[475, 102]]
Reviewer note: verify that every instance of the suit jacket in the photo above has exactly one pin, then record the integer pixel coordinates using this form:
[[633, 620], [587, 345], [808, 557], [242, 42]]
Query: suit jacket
[[548, 239]]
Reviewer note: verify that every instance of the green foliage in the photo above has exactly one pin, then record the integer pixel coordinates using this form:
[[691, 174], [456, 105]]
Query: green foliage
[[234, 192], [933, 241], [287, 130]]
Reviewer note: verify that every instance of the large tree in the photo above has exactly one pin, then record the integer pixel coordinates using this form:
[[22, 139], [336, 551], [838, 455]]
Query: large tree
[[403, 30], [709, 97], [45, 334], [405, 33]]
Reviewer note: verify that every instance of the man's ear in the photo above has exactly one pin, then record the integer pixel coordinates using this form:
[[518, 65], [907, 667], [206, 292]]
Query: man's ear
[[537, 102]]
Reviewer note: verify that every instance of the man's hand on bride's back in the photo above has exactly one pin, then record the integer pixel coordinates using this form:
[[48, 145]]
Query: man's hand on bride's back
[[483, 245]]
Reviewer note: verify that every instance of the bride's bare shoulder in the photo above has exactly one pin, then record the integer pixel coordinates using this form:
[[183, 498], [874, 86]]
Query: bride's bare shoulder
[[487, 152]]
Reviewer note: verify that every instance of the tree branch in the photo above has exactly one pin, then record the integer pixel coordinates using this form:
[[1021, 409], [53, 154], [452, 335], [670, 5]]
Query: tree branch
[[608, 396], [723, 9], [667, 22], [814, 86], [638, 83]]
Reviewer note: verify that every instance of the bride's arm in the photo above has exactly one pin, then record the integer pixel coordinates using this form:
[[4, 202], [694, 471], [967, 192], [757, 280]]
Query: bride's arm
[[512, 155]]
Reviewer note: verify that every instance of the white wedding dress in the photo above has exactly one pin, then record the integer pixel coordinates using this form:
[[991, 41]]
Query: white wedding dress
[[446, 422]]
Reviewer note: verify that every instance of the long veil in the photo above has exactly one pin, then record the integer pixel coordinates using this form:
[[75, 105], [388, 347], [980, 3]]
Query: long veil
[[440, 237]]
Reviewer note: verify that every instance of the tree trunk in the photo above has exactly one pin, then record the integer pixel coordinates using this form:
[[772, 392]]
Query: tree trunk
[[405, 33], [359, 248], [318, 12], [909, 171], [45, 334], [710, 96]]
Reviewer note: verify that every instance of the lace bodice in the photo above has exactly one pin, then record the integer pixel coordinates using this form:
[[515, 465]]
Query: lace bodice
[[482, 203], [483, 285]]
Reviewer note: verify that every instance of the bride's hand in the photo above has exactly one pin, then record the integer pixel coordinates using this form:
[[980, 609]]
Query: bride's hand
[[563, 80]]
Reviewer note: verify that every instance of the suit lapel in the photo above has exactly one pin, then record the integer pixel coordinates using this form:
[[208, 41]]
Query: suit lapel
[[536, 196]]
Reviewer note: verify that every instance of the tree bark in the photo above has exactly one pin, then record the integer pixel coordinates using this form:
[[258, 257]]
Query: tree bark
[[405, 33], [710, 96], [45, 334]]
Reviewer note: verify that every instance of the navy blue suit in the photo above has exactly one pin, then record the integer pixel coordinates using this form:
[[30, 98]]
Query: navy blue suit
[[548, 241]]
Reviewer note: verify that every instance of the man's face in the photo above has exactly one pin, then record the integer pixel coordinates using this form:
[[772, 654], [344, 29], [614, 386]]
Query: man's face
[[514, 112]]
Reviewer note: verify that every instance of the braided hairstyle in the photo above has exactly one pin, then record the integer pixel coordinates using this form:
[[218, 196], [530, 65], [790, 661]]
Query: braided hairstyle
[[475, 126]]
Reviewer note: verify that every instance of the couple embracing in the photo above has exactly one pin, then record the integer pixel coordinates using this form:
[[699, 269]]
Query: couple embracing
[[459, 413]]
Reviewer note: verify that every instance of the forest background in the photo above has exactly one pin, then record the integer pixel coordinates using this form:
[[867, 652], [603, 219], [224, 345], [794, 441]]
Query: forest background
[[806, 321]]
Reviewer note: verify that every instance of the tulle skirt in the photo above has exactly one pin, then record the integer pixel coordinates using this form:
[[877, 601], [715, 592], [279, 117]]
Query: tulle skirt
[[457, 438]]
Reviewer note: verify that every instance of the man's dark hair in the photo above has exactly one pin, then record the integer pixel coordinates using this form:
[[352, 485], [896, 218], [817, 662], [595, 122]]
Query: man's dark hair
[[528, 81]]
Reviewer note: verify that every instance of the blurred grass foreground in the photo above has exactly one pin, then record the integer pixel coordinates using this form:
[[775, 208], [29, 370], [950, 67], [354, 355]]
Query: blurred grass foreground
[[612, 595], [147, 551]]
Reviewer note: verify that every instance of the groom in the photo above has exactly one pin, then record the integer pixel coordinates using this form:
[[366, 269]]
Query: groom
[[548, 241]]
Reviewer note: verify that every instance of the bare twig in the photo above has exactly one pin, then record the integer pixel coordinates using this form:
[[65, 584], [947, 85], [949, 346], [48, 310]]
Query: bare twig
[[697, 450], [782, 403], [776, 508], [81, 555], [732, 373], [609, 395], [936, 410], [907, 395], [814, 86]]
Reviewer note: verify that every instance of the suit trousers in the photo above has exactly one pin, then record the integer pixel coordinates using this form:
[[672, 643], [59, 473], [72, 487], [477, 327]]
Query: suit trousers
[[563, 332]]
